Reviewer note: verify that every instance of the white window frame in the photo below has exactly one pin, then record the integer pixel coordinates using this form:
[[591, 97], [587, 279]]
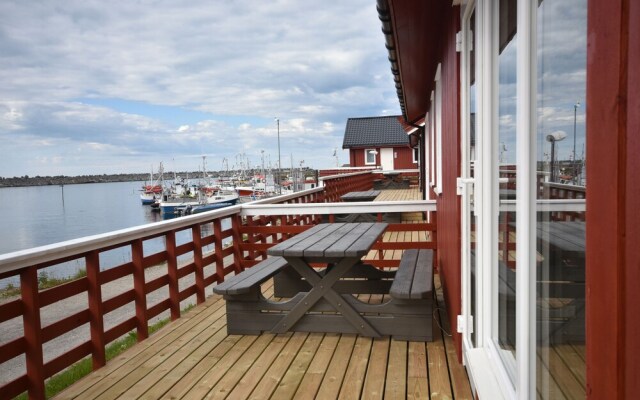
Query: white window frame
[[432, 140], [438, 128], [366, 154], [415, 151]]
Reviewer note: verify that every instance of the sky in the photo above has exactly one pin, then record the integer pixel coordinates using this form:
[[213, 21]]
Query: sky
[[89, 87]]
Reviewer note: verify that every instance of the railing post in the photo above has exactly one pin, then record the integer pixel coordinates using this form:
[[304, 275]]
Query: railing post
[[172, 272], [96, 310], [32, 332], [137, 253], [196, 233], [251, 237], [236, 221], [217, 233]]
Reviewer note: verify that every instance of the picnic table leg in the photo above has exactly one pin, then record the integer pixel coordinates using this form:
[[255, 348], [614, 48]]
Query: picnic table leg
[[322, 287]]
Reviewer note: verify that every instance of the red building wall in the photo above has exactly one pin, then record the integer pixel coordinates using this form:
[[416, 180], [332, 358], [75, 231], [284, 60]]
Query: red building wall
[[448, 203], [613, 198], [404, 159]]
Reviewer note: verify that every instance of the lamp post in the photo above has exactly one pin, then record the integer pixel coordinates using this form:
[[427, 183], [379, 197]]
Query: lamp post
[[279, 163], [553, 138], [575, 112]]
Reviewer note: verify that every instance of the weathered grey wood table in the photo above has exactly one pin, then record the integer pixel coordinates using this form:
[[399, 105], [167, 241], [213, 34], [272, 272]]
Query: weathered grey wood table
[[341, 246], [368, 195]]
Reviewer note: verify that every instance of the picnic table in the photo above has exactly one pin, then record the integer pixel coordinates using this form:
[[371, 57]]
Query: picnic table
[[368, 195], [339, 245], [325, 303]]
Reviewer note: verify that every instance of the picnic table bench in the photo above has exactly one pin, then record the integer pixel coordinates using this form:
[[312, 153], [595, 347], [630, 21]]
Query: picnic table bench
[[326, 303]]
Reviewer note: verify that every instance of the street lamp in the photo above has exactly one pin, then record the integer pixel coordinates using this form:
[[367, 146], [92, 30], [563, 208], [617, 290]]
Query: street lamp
[[575, 111], [553, 138], [279, 163]]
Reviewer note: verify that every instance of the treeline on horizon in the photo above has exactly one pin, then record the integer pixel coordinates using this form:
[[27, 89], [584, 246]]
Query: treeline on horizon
[[27, 180]]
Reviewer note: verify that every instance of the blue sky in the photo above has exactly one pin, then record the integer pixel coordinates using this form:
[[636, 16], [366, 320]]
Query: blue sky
[[91, 88]]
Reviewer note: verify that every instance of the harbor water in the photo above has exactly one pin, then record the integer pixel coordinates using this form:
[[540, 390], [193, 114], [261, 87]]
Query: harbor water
[[40, 215]]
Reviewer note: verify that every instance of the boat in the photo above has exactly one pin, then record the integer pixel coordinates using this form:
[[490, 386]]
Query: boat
[[190, 198], [224, 199], [152, 192], [199, 202]]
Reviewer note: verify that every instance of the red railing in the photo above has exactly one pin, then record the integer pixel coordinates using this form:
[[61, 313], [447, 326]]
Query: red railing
[[198, 251], [336, 186]]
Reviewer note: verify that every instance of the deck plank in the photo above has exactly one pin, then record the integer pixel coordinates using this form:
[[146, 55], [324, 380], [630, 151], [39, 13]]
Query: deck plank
[[417, 373], [153, 371], [439, 383], [233, 374], [315, 374], [457, 373], [396, 380], [292, 379], [376, 370], [354, 377], [280, 349], [201, 380], [132, 357], [123, 378], [188, 373], [334, 373]]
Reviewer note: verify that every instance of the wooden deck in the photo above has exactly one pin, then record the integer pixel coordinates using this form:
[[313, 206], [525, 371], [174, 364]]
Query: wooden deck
[[194, 358]]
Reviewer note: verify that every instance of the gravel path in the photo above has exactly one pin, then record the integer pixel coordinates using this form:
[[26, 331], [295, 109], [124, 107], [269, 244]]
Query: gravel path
[[13, 329]]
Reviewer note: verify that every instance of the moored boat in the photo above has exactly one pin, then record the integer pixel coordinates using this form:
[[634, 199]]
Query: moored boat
[[152, 192], [202, 201]]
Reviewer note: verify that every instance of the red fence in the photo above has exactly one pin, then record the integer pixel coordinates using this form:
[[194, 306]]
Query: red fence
[[338, 185]]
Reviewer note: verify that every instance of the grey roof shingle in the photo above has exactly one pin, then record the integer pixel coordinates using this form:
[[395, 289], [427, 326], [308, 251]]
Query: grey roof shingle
[[374, 131]]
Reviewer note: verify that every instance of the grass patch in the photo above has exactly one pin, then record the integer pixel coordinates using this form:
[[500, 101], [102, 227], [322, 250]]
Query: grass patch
[[75, 372], [44, 282]]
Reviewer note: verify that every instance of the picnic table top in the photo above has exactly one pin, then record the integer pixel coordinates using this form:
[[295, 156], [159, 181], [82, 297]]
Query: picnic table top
[[368, 195], [331, 241]]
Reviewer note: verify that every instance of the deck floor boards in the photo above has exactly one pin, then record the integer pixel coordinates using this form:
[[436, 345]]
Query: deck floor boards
[[194, 358]]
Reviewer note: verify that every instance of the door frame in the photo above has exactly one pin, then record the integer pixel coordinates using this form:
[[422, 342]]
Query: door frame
[[484, 355]]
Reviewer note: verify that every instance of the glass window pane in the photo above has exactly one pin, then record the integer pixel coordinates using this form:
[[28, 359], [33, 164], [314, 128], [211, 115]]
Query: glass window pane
[[505, 153], [560, 314]]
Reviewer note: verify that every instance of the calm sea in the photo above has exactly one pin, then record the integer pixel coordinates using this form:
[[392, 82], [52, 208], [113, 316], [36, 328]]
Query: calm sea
[[40, 215]]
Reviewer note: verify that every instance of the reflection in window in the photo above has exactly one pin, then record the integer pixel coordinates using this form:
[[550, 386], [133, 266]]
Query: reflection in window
[[561, 58], [471, 154], [506, 155]]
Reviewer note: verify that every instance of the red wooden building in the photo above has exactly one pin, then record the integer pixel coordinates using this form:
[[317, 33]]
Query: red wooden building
[[541, 289], [379, 142]]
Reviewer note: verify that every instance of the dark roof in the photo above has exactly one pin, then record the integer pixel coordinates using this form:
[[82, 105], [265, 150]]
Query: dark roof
[[374, 131]]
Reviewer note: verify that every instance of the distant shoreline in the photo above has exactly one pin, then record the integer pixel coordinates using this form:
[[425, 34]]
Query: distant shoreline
[[69, 180], [22, 181]]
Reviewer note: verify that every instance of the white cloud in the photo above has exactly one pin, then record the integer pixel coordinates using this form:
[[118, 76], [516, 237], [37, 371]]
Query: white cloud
[[79, 72]]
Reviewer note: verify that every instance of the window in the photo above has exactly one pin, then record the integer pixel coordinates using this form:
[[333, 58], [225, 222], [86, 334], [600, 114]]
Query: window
[[416, 155], [370, 156]]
